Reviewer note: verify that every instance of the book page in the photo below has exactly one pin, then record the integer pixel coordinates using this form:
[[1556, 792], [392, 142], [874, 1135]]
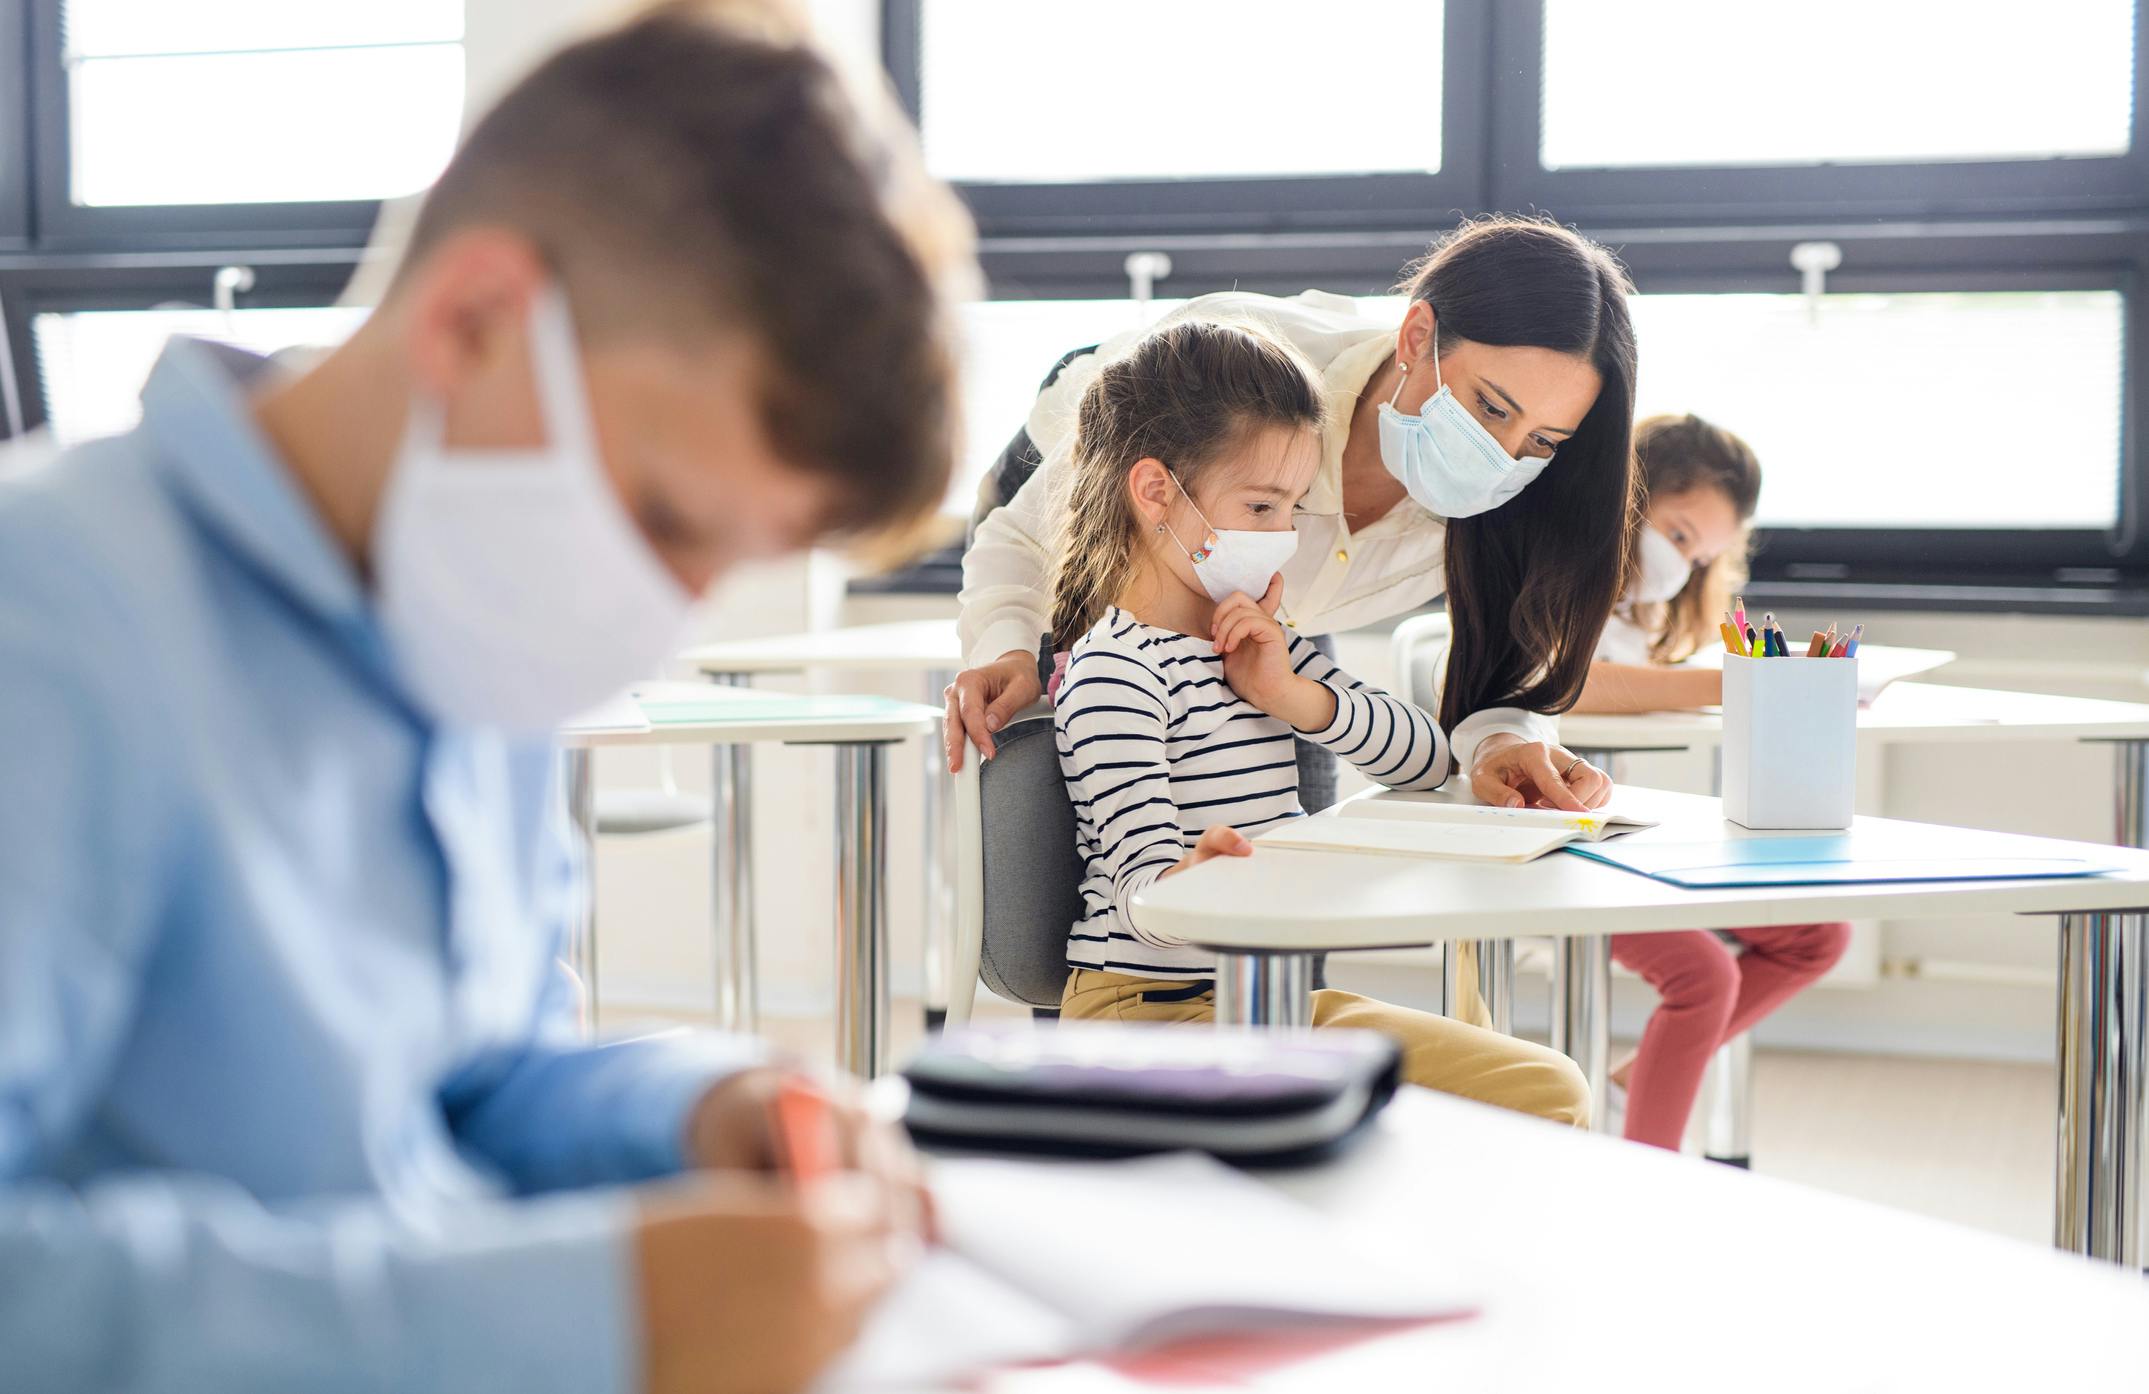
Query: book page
[[1419, 837], [1160, 1248], [1598, 822], [948, 1319]]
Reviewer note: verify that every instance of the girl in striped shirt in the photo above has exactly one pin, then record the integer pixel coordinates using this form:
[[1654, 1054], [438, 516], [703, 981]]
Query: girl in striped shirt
[[1183, 694]]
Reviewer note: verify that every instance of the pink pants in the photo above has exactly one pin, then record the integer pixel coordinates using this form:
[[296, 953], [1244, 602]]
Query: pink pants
[[1710, 995]]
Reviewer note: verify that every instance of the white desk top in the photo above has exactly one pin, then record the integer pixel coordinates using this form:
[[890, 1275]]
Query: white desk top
[[1611, 1267], [1280, 898], [700, 713], [1907, 712], [912, 645]]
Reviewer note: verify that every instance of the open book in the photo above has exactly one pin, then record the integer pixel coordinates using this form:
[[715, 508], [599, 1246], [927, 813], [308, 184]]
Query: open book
[[1045, 1261], [1420, 825]]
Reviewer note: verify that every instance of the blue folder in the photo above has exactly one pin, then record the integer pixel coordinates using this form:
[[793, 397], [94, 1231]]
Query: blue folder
[[1908, 854]]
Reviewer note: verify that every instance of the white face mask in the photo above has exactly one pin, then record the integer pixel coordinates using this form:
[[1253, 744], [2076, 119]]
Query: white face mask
[[513, 587], [1446, 459], [1238, 562], [1663, 570]]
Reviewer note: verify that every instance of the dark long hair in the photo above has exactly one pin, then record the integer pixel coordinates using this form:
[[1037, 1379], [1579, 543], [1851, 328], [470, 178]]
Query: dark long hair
[[1531, 583]]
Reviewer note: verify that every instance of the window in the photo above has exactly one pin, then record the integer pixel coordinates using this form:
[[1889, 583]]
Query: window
[[1963, 403], [1120, 114], [91, 363], [1880, 411], [82, 332], [259, 101], [238, 122], [1824, 109], [1202, 99], [1008, 348], [1904, 83]]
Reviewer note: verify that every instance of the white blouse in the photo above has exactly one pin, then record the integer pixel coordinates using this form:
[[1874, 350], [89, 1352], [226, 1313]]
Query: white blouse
[[1338, 579]]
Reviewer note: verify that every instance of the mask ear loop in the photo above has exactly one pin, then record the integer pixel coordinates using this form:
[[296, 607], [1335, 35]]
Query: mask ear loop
[[1196, 555], [1400, 363]]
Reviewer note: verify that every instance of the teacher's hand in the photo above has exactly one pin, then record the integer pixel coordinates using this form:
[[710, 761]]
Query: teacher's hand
[[982, 700], [1514, 773]]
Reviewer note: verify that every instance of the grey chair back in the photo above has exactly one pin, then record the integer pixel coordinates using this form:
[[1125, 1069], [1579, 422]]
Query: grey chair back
[[1031, 870]]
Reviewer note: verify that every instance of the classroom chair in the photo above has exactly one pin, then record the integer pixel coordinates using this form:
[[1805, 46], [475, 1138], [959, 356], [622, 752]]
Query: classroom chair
[[1418, 647], [1018, 878]]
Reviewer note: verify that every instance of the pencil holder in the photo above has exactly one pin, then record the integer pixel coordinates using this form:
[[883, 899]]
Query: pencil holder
[[1790, 741]]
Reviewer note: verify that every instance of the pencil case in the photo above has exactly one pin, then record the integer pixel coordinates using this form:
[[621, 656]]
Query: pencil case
[[1790, 741], [1101, 1090]]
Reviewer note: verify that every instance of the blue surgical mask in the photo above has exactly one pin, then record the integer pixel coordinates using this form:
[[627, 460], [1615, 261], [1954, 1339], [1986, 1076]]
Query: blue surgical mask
[[1446, 459]]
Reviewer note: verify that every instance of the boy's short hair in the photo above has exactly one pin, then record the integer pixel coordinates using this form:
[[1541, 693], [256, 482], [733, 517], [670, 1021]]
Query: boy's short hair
[[699, 167]]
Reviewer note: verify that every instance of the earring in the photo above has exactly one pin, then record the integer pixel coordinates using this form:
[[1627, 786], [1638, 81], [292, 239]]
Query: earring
[[1160, 527]]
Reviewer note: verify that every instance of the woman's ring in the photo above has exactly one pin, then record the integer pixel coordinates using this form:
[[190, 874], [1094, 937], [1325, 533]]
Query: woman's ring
[[1579, 761]]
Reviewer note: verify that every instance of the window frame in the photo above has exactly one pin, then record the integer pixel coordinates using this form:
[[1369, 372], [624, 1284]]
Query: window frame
[[1746, 193], [1960, 256], [62, 224], [1238, 205], [1955, 226], [32, 286], [15, 133]]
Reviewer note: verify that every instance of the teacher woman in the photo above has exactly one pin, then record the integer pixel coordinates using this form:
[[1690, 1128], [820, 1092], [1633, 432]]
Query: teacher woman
[[1481, 451]]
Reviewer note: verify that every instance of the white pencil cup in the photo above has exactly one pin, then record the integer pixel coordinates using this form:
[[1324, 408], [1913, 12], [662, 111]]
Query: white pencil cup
[[1790, 741]]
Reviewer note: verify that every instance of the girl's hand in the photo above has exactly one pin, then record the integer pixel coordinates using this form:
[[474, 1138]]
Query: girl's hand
[[1223, 840], [1257, 660], [1514, 773]]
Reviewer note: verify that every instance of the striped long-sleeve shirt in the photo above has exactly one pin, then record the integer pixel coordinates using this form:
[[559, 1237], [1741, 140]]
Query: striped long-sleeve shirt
[[1157, 749]]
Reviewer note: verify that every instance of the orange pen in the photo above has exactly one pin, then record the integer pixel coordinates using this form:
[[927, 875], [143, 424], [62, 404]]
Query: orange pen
[[803, 1133]]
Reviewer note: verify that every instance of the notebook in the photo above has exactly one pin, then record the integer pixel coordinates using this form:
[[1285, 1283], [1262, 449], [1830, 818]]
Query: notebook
[[1862, 857], [1419, 825], [1053, 1261]]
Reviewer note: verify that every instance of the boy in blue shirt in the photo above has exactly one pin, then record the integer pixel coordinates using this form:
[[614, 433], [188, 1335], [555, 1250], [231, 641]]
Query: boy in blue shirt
[[290, 1092]]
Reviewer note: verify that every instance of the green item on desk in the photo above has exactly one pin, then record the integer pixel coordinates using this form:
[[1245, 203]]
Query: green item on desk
[[772, 708], [1858, 858]]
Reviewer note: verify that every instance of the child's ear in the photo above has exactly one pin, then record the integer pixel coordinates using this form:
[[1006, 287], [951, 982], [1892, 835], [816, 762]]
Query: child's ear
[[1151, 488]]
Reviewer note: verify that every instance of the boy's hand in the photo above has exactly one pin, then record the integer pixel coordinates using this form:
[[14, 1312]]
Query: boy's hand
[[750, 1285], [1257, 660], [733, 1129], [1223, 840]]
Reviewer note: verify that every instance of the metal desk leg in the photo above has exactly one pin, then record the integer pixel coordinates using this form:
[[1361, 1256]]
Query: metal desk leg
[[1493, 977], [1496, 981], [1264, 989], [731, 929], [862, 908], [2103, 1018], [939, 846], [1582, 1013], [1582, 995], [1727, 1122], [579, 780]]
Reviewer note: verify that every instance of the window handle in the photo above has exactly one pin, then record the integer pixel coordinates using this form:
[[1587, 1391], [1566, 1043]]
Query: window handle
[[231, 282], [1144, 270], [1814, 261]]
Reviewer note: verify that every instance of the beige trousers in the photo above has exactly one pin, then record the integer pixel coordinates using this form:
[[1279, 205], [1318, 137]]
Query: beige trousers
[[1453, 1057]]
